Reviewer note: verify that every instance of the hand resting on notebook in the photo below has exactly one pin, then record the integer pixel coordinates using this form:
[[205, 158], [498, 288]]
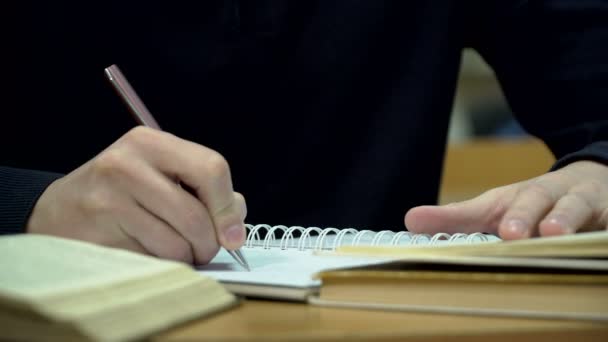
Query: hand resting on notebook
[[128, 196], [565, 201]]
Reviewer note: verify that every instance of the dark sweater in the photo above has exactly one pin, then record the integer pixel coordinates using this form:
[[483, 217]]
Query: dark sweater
[[330, 113]]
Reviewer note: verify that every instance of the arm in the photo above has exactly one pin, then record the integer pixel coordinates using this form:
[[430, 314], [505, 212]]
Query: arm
[[19, 191], [551, 59]]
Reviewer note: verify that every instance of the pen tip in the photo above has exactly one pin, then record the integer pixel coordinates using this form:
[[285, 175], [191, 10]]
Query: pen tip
[[245, 265]]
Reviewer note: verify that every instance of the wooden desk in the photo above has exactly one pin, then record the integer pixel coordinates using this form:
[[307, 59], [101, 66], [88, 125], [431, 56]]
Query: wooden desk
[[279, 321]]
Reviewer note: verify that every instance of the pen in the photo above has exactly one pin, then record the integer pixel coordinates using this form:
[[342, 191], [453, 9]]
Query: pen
[[144, 117]]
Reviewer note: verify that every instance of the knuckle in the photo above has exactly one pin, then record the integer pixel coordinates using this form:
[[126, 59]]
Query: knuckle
[[495, 213], [110, 163], [556, 177], [538, 190], [577, 199], [98, 201], [239, 197], [217, 166], [140, 136], [242, 204]]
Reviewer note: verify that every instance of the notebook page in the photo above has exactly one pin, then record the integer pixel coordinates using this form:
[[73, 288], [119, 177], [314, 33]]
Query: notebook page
[[276, 267]]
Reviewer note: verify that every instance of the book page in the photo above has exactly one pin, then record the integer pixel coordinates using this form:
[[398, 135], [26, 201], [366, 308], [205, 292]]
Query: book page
[[277, 267], [39, 265], [580, 245], [82, 291]]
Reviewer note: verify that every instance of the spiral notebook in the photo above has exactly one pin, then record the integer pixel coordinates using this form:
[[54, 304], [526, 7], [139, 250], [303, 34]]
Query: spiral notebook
[[284, 260]]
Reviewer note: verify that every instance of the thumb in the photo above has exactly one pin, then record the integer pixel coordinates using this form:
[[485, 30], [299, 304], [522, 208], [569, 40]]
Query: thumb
[[480, 214]]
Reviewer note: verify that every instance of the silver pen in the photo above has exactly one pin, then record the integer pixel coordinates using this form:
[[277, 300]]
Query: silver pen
[[238, 256], [144, 117]]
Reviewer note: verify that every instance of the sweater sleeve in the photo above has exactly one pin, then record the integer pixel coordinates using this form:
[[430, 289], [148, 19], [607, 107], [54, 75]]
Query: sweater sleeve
[[597, 152], [19, 191], [551, 59]]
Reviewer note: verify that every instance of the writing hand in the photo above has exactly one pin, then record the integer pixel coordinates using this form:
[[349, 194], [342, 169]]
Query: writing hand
[[128, 196], [571, 199]]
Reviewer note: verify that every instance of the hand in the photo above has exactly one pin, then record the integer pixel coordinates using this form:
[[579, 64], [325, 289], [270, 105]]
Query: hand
[[571, 199], [129, 197]]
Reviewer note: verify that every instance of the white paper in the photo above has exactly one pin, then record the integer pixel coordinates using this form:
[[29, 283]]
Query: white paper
[[276, 267]]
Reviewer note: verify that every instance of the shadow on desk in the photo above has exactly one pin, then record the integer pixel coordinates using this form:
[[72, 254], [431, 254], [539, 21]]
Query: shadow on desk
[[472, 167]]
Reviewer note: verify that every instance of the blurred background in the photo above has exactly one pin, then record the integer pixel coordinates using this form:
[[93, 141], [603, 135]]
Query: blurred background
[[487, 147], [480, 108]]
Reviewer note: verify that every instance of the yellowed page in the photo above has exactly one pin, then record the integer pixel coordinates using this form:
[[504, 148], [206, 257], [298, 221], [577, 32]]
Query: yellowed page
[[582, 245], [41, 266]]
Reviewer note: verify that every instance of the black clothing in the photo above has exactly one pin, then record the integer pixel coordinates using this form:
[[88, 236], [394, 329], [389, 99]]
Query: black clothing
[[330, 113]]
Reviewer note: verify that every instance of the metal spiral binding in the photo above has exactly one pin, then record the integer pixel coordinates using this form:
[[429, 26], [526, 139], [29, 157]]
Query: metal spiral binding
[[315, 238]]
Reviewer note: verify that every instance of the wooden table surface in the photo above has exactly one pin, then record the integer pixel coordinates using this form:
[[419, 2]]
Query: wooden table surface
[[255, 320]]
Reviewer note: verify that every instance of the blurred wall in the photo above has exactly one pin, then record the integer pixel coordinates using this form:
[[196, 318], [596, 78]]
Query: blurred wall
[[480, 109]]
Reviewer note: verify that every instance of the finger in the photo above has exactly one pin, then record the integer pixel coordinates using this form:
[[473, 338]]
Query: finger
[[155, 235], [240, 200], [237, 236], [172, 204], [480, 214], [202, 169], [571, 212], [197, 228], [116, 237], [125, 241], [531, 204]]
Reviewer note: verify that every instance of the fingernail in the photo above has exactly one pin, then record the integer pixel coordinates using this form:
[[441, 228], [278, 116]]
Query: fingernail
[[235, 234], [516, 226], [560, 223]]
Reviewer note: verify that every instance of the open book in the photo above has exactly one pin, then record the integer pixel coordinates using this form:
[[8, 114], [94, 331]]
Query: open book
[[58, 289], [467, 274]]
